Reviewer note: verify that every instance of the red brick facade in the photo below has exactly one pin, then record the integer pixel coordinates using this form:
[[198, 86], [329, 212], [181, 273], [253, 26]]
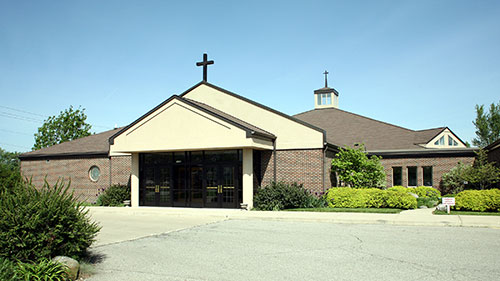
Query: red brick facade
[[301, 166], [77, 171], [440, 166]]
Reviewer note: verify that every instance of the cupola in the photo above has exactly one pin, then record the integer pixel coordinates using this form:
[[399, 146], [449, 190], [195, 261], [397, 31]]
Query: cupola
[[326, 97]]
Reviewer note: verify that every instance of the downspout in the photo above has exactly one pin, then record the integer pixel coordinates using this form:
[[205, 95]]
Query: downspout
[[274, 158], [110, 180], [323, 167]]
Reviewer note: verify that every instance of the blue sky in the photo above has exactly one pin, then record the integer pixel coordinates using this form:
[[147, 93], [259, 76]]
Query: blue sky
[[416, 64]]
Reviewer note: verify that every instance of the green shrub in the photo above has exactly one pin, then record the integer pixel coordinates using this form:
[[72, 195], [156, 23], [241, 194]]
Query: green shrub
[[7, 269], [114, 196], [421, 191], [43, 223], [280, 196], [426, 201], [478, 200], [45, 269], [427, 192], [346, 197], [400, 200]]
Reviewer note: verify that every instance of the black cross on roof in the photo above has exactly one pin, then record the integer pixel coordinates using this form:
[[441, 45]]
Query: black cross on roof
[[205, 63], [326, 79]]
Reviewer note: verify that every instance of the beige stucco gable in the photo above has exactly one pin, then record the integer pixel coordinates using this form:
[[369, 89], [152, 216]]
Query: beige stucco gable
[[178, 125], [445, 139], [290, 133]]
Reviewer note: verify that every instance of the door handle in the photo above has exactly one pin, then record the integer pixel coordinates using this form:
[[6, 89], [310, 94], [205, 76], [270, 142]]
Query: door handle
[[219, 188], [157, 188]]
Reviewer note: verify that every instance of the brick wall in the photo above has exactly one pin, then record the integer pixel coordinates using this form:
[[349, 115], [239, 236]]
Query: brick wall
[[440, 166], [301, 166], [77, 170]]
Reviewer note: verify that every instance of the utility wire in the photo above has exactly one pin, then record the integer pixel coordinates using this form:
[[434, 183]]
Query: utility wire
[[24, 111], [15, 145], [15, 132]]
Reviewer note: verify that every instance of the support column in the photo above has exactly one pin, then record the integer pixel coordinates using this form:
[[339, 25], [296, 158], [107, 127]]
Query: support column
[[248, 177], [134, 181]]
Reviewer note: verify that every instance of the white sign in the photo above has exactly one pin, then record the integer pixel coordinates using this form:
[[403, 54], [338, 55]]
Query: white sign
[[450, 201]]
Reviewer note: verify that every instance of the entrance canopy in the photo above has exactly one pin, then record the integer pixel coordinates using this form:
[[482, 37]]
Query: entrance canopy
[[181, 124]]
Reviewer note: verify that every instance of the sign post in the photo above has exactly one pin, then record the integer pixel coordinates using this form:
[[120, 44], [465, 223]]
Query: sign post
[[448, 201]]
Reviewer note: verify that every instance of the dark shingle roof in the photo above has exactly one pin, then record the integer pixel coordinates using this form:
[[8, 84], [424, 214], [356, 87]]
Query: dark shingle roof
[[96, 144], [346, 128]]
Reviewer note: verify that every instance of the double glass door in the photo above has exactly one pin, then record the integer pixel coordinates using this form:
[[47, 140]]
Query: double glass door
[[156, 186], [207, 179], [221, 186]]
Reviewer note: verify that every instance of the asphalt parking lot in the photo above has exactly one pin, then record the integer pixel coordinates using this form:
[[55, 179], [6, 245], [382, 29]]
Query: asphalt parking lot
[[257, 249]]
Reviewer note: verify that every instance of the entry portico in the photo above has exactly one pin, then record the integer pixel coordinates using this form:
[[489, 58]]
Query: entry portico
[[197, 149]]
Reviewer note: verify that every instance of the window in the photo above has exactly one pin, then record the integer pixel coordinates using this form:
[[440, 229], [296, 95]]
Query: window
[[427, 171], [324, 99], [412, 176], [94, 173], [451, 141], [397, 176], [440, 141]]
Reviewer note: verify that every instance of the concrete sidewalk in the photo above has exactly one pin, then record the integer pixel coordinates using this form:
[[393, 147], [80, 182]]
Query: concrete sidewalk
[[122, 224]]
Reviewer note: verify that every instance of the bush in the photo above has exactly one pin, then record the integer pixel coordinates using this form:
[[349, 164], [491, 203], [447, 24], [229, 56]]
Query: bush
[[346, 197], [37, 224], [280, 196], [114, 196], [45, 269], [7, 269], [427, 192], [421, 191], [427, 201], [478, 200]]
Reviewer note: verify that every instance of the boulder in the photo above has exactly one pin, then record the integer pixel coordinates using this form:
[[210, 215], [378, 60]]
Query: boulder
[[423, 207], [72, 265], [441, 207], [413, 194]]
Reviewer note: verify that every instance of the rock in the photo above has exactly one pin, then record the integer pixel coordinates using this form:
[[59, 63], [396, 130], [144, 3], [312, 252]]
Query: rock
[[423, 207], [441, 207], [72, 264], [413, 194]]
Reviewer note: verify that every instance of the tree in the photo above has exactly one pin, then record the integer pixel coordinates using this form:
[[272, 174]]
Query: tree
[[480, 175], [69, 125], [487, 125], [9, 169], [355, 169]]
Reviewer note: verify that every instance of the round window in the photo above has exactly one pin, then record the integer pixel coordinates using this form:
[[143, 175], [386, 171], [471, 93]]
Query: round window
[[94, 173]]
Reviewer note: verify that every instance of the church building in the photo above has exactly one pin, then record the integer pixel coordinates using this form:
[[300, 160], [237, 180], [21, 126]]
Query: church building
[[209, 147]]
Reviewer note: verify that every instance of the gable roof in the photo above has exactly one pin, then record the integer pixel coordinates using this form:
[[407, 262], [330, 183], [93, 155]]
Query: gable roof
[[249, 128], [347, 129], [292, 118], [93, 145]]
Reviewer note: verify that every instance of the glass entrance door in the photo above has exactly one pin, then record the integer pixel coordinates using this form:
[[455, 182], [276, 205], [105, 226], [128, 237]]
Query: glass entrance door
[[155, 186], [221, 186]]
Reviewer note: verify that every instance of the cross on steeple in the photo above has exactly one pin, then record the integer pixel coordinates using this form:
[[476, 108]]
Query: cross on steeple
[[205, 63], [326, 79]]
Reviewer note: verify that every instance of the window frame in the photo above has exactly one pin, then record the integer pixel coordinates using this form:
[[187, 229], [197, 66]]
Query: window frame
[[408, 175], [400, 175]]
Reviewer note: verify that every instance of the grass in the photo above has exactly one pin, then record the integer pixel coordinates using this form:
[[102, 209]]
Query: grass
[[348, 210], [467, 213]]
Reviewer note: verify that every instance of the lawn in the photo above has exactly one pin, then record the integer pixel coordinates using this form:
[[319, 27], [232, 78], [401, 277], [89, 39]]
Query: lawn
[[467, 213], [348, 210]]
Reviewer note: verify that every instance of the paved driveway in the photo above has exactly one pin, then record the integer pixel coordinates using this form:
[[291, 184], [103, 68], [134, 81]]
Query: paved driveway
[[257, 249]]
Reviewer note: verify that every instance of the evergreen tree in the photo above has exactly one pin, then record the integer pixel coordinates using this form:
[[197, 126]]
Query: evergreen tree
[[487, 125]]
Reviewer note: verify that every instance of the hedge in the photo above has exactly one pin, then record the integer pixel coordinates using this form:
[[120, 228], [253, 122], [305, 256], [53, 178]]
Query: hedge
[[478, 200], [346, 197], [421, 191]]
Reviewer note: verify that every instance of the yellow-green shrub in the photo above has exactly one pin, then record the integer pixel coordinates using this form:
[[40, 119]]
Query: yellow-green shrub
[[346, 197], [427, 191], [478, 200], [400, 200]]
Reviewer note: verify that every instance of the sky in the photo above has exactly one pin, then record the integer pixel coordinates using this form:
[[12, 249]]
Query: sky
[[417, 64]]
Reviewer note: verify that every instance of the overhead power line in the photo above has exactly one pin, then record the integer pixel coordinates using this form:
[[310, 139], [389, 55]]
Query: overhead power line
[[15, 132], [23, 111]]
